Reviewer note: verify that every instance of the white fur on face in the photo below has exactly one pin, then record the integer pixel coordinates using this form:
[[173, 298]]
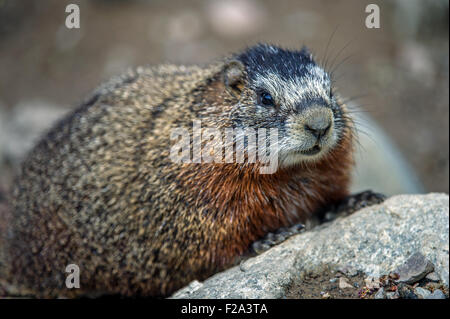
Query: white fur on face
[[288, 93]]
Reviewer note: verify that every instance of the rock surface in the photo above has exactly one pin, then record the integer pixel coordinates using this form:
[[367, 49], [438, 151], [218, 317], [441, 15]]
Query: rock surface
[[437, 294], [422, 293], [414, 269], [375, 241], [433, 277]]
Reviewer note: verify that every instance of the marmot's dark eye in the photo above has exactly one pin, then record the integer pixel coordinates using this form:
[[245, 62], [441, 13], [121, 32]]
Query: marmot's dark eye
[[266, 99]]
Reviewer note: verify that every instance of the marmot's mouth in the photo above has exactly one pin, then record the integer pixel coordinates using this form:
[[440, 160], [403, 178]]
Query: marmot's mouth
[[312, 151]]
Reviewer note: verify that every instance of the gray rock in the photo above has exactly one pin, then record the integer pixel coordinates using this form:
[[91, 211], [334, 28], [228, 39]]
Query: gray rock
[[437, 294], [432, 276], [343, 283], [372, 282], [348, 271], [392, 295], [325, 295], [374, 240], [414, 269], [380, 294], [422, 293], [406, 292]]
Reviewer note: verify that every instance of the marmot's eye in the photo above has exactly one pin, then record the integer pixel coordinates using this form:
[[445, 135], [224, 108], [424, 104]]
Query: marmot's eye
[[266, 99]]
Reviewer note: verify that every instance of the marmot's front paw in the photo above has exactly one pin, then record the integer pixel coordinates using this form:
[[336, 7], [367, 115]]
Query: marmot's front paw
[[353, 203], [275, 238]]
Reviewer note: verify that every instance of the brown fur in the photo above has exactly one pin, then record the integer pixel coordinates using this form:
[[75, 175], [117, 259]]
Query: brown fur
[[100, 191]]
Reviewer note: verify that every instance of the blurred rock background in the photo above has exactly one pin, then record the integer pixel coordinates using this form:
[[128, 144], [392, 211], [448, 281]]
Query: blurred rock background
[[397, 75]]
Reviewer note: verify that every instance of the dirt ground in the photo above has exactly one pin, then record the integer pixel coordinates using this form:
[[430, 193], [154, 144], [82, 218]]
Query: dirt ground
[[315, 286], [325, 285]]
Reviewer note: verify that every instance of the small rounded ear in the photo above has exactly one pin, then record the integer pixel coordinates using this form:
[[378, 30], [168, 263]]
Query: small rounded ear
[[234, 76]]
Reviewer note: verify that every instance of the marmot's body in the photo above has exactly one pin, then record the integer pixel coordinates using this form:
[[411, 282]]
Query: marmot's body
[[100, 190]]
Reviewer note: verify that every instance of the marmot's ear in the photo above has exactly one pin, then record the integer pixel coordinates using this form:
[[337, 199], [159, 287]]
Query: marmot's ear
[[234, 76]]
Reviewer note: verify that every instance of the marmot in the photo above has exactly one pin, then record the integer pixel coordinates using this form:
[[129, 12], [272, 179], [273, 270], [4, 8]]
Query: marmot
[[100, 189]]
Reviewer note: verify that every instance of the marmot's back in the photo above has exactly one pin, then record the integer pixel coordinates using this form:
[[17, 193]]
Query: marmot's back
[[104, 162], [100, 190]]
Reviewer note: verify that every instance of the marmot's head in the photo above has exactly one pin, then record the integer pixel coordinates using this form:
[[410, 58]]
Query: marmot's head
[[287, 90]]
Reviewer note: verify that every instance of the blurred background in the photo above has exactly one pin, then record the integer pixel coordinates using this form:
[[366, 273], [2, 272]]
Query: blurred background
[[397, 75]]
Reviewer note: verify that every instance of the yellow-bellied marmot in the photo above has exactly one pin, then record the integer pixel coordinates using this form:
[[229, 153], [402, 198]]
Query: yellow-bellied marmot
[[100, 189]]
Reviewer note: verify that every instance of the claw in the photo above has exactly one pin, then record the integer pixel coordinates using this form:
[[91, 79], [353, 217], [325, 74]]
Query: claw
[[358, 201], [279, 236]]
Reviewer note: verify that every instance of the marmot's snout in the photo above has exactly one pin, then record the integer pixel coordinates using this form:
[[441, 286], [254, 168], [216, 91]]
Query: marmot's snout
[[318, 122], [312, 132]]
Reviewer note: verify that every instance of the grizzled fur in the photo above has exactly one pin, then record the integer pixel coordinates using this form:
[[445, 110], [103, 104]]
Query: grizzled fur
[[100, 191]]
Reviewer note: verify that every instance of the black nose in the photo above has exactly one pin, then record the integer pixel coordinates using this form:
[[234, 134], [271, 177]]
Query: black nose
[[318, 130]]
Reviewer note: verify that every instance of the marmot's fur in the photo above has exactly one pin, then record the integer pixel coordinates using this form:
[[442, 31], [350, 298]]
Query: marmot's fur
[[100, 189]]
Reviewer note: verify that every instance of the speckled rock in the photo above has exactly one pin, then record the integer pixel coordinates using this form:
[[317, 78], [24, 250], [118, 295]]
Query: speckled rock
[[433, 277], [380, 294], [375, 241], [415, 268], [422, 293], [437, 294]]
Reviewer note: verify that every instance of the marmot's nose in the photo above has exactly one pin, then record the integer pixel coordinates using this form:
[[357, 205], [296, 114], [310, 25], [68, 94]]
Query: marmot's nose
[[318, 126]]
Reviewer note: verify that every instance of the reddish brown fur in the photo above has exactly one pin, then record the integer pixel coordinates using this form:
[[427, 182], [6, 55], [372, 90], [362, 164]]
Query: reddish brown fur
[[101, 191], [244, 195]]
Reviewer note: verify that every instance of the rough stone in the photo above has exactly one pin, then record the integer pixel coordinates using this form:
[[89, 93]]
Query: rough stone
[[343, 283], [406, 291], [432, 276], [414, 269], [422, 293], [437, 294], [380, 294], [372, 282], [349, 271], [374, 240], [392, 295]]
